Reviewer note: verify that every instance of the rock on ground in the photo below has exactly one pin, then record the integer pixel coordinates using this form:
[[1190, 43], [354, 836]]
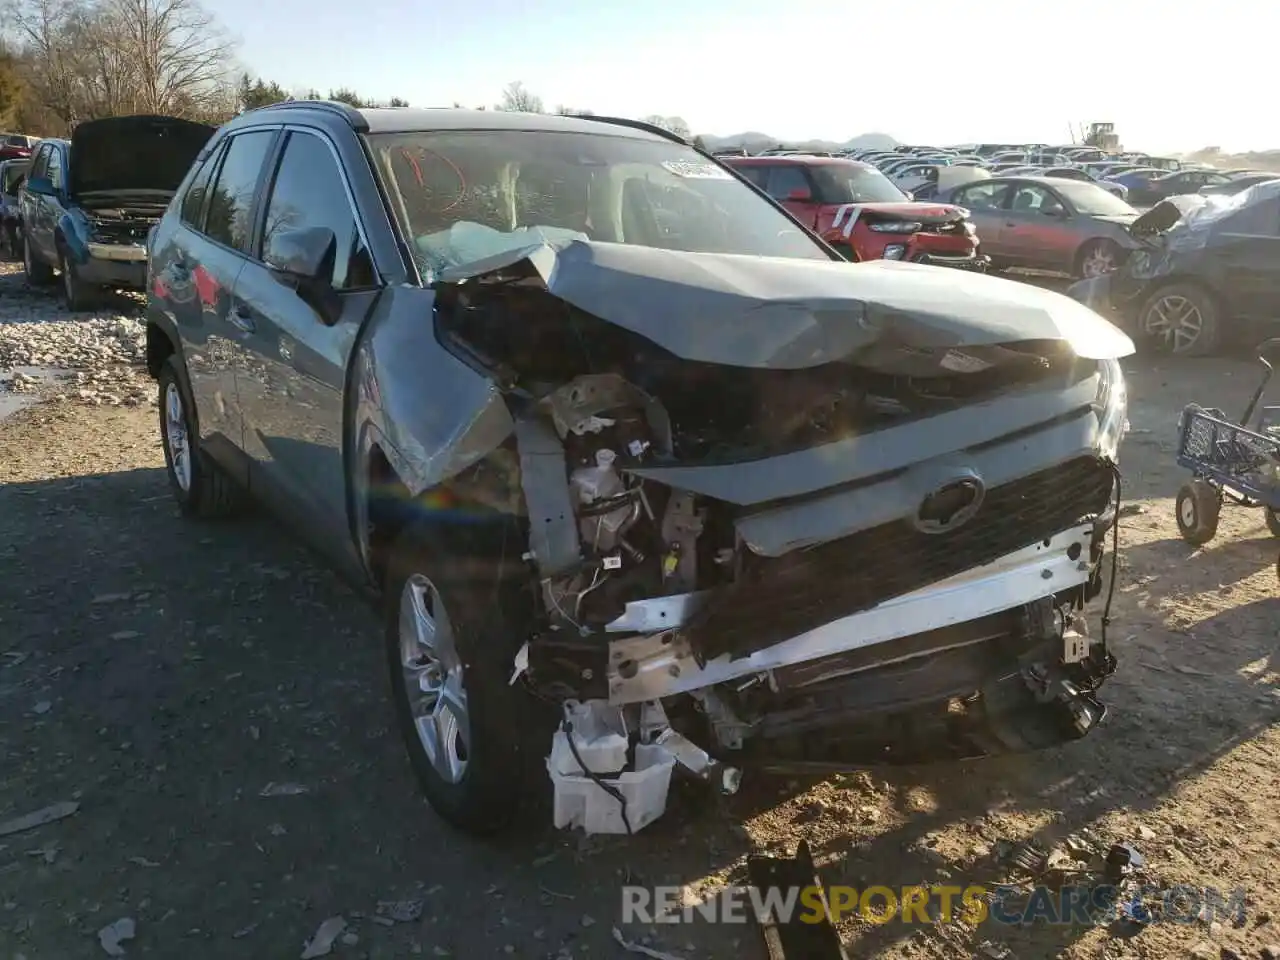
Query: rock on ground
[[98, 354]]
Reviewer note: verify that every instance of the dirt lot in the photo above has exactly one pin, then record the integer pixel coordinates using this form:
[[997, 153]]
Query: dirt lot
[[164, 676]]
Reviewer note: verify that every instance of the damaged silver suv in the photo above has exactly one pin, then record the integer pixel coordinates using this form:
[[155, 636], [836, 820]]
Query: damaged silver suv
[[646, 478]]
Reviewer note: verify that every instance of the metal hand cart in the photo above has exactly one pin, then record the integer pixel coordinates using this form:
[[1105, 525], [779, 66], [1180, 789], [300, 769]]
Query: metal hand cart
[[1230, 461]]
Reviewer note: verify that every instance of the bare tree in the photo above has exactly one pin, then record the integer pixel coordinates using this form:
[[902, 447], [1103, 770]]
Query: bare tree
[[176, 51], [95, 58], [517, 99]]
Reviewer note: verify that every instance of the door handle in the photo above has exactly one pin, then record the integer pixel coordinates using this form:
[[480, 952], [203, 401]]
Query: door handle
[[240, 321]]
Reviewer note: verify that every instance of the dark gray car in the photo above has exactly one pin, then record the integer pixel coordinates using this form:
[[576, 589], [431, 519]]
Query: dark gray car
[[1049, 223], [618, 446]]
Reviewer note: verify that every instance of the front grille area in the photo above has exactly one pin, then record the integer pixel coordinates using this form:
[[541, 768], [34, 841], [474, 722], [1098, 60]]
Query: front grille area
[[779, 598]]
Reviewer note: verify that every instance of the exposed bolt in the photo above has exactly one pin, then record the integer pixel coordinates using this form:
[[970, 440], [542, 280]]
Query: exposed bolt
[[674, 670], [1046, 574], [588, 673]]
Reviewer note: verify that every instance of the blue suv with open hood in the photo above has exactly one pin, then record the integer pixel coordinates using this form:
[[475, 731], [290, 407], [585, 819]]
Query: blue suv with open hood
[[90, 201]]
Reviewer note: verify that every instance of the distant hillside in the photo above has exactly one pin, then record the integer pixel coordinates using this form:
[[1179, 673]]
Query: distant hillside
[[1268, 160], [754, 142]]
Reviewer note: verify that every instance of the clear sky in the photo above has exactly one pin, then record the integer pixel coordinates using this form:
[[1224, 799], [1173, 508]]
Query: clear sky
[[1173, 75]]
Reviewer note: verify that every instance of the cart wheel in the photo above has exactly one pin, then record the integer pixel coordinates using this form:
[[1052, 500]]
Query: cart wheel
[[1198, 506], [1273, 520]]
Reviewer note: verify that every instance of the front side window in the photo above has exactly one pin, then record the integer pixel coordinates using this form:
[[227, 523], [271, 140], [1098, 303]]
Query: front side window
[[309, 192], [41, 162], [460, 196], [227, 216]]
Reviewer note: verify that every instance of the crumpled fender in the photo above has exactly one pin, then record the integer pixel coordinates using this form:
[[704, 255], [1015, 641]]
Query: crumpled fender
[[432, 415]]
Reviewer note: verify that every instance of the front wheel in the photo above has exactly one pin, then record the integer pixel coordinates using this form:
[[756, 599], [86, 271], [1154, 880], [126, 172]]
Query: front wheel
[[77, 294], [1273, 520], [1181, 319], [1198, 505], [452, 610]]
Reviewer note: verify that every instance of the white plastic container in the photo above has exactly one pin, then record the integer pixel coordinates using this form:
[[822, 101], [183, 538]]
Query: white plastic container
[[580, 802], [599, 736]]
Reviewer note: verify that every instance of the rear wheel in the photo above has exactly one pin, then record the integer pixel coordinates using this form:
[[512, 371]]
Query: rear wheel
[[1181, 319], [198, 484], [1198, 505], [1097, 258], [38, 274]]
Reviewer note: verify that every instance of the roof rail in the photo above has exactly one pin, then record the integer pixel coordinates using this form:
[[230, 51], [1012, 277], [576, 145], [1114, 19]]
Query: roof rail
[[639, 125], [344, 110]]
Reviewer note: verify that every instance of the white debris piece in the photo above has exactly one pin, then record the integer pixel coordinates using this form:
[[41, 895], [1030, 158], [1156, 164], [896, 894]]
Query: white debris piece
[[323, 939], [113, 934], [38, 818], [284, 790], [641, 948]]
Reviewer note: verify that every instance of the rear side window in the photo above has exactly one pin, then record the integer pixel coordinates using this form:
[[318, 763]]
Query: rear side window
[[193, 200], [983, 196], [227, 217], [755, 173], [309, 192], [785, 178]]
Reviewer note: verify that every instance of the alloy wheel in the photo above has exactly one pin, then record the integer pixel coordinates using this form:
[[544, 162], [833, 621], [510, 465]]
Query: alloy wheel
[[176, 436], [1099, 262], [432, 673], [1175, 321]]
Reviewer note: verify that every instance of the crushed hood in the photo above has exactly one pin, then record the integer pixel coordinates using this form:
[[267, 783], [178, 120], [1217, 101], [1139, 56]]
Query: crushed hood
[[922, 212], [1165, 214], [769, 312], [134, 153]]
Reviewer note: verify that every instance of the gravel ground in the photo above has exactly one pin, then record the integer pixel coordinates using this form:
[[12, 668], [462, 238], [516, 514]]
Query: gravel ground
[[213, 704]]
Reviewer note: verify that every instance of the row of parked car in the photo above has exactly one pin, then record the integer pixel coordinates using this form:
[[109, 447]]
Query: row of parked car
[[967, 208], [1198, 267]]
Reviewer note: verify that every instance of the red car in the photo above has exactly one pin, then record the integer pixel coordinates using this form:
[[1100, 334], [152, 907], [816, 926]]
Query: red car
[[16, 146], [859, 211]]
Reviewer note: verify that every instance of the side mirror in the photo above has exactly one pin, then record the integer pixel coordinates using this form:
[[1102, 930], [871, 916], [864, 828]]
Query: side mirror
[[1055, 212], [800, 194], [42, 186], [303, 260]]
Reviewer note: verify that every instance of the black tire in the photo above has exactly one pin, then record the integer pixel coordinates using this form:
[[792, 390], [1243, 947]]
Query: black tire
[[1169, 296], [1197, 508], [1091, 249], [1273, 520], [77, 294], [39, 274], [210, 494], [482, 583]]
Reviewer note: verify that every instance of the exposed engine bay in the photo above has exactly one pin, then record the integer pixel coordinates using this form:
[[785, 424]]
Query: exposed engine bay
[[883, 556]]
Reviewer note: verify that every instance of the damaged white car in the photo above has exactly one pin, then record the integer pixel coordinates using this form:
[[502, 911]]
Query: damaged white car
[[625, 450]]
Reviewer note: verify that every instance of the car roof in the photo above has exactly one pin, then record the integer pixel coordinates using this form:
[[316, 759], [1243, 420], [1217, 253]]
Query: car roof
[[801, 160], [426, 119]]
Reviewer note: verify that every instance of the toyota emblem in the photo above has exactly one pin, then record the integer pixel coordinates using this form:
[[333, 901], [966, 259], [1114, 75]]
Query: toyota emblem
[[950, 506]]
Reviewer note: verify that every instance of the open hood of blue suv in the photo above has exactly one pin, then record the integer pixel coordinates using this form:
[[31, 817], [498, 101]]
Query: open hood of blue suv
[[133, 153]]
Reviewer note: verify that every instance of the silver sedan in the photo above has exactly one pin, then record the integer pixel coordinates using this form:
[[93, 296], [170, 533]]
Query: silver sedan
[[1049, 223]]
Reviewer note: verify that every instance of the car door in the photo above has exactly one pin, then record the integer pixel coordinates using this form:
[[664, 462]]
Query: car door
[[51, 207], [35, 214], [197, 270], [789, 184], [983, 200], [292, 387], [1037, 231], [1246, 251]]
